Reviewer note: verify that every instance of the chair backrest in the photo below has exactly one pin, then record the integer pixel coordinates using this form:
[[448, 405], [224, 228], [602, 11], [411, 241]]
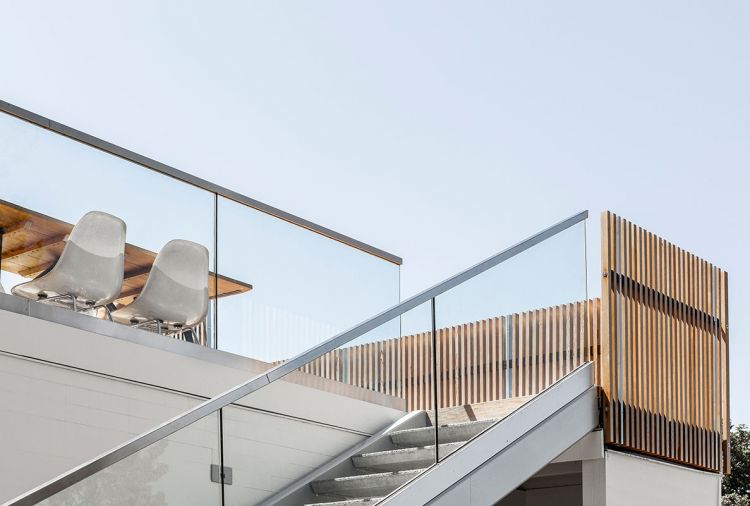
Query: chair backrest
[[177, 287], [92, 263]]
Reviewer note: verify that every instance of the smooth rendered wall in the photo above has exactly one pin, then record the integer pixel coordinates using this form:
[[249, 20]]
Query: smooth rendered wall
[[635, 480], [53, 418]]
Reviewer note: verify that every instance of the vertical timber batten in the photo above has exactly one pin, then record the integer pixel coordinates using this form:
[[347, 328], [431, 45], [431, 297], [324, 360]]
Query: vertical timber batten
[[664, 348]]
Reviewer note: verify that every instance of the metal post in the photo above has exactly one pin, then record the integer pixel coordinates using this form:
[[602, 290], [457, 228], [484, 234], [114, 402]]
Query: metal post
[[436, 382], [586, 260], [215, 343], [508, 355], [2, 232], [215, 331]]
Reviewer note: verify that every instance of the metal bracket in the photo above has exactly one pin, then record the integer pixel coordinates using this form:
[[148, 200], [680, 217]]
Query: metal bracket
[[216, 474]]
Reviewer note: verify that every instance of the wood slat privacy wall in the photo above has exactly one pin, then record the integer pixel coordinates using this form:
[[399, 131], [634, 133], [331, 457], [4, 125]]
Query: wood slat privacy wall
[[664, 348], [493, 359]]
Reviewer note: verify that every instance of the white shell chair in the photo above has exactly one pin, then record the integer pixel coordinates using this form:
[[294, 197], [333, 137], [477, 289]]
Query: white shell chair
[[176, 292], [89, 272]]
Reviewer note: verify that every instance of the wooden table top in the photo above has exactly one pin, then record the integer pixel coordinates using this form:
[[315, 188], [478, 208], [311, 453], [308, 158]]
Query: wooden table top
[[32, 242]]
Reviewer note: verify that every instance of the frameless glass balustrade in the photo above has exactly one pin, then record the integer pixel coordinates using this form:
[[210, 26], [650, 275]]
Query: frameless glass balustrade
[[49, 182], [306, 287], [280, 288], [511, 332]]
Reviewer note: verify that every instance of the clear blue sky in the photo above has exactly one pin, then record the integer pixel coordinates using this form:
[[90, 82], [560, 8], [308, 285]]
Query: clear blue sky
[[440, 131]]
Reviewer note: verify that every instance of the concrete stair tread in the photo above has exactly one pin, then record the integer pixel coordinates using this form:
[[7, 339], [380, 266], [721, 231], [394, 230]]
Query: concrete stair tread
[[384, 471], [364, 485], [366, 501], [424, 436], [402, 459]]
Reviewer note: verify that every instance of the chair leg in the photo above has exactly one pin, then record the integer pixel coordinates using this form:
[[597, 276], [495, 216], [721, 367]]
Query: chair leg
[[188, 335], [141, 324], [106, 309], [45, 300]]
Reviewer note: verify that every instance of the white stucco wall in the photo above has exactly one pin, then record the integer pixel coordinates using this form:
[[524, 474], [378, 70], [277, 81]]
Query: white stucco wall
[[635, 480]]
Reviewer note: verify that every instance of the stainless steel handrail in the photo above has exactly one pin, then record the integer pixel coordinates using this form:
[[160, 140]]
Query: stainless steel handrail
[[236, 393], [179, 175]]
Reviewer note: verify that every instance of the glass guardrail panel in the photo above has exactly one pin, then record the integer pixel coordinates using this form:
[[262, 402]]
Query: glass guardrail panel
[[305, 287], [509, 333], [281, 288], [175, 470], [48, 182], [290, 428]]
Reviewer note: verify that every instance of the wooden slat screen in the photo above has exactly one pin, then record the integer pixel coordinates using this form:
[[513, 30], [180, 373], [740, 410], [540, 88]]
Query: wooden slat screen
[[658, 338], [492, 359], [664, 348]]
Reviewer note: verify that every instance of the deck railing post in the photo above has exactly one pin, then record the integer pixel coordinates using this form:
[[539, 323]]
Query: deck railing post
[[437, 380]]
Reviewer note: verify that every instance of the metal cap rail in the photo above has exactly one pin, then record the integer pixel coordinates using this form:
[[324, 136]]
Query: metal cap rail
[[236, 393]]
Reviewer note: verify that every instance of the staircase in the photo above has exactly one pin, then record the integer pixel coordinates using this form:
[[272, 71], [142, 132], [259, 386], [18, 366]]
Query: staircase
[[382, 472]]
